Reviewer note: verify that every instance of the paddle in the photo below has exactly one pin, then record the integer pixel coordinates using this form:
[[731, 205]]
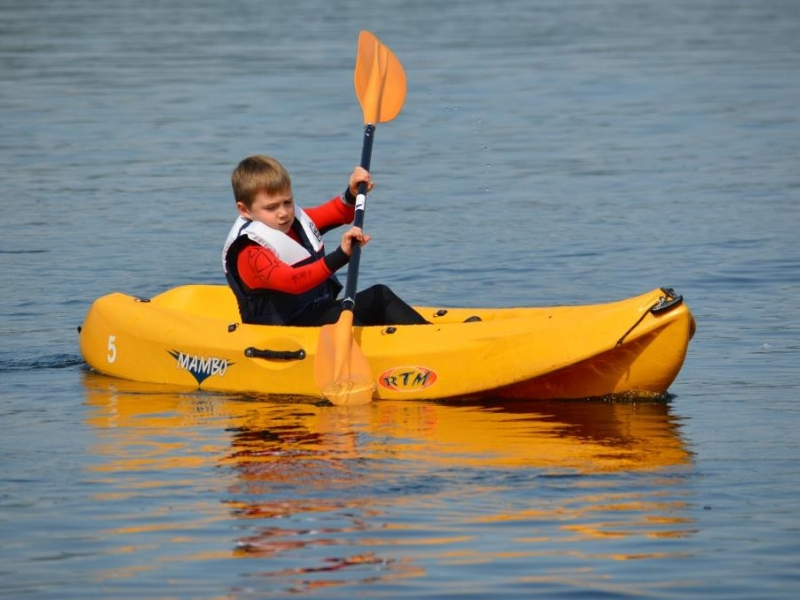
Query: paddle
[[341, 369]]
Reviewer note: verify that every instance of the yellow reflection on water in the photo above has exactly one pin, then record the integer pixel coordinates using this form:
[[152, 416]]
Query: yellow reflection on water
[[281, 473], [587, 437]]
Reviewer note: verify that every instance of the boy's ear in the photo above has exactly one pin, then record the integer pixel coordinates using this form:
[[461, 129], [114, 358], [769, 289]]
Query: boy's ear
[[243, 210]]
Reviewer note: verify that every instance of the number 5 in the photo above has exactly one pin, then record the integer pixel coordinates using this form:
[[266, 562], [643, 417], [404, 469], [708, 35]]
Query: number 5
[[112, 348]]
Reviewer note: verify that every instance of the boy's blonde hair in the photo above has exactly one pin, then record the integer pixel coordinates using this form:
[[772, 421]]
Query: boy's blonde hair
[[258, 174]]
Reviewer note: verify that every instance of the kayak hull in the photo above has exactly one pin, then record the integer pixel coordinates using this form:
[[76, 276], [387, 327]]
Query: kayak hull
[[191, 336]]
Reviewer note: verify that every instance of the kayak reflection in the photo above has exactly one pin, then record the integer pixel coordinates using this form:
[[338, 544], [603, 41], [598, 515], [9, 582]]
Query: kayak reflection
[[581, 436], [334, 491]]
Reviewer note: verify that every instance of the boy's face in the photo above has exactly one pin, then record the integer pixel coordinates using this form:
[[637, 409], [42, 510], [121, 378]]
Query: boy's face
[[273, 210]]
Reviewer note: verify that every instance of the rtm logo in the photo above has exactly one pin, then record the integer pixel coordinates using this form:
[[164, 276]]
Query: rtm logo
[[407, 379], [200, 367]]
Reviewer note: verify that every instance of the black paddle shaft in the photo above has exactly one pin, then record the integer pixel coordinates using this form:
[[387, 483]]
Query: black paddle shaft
[[349, 301]]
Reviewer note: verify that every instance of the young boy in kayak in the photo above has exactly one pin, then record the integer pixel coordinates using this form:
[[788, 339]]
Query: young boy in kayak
[[275, 261]]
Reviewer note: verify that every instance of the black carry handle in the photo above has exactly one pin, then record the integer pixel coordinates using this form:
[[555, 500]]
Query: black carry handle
[[252, 352]]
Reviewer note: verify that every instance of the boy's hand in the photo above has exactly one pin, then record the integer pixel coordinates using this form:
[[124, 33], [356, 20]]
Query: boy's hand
[[359, 175], [351, 235]]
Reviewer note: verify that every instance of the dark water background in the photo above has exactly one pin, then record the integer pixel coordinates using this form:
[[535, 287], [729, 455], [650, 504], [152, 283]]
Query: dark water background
[[549, 152]]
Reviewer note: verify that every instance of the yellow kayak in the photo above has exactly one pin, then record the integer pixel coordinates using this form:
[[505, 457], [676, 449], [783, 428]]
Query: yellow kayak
[[191, 336]]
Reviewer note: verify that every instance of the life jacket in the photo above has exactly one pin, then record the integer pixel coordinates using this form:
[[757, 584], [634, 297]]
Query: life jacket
[[271, 307]]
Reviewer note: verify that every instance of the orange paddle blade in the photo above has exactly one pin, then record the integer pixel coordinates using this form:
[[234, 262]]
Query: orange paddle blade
[[380, 80], [341, 369]]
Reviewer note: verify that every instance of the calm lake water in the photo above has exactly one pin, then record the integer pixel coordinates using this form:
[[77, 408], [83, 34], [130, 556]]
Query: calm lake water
[[549, 152]]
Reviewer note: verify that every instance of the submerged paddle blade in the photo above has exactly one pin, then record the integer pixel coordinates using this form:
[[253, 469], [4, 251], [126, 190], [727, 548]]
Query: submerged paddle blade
[[341, 369], [380, 80]]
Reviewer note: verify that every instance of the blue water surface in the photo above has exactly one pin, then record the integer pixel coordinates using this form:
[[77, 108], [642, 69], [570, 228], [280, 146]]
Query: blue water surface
[[548, 152]]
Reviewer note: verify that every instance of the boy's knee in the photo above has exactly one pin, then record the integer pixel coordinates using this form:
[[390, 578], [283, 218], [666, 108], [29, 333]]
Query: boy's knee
[[381, 290]]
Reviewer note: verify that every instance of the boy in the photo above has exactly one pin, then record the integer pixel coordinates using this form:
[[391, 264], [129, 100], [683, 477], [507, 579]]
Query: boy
[[275, 261]]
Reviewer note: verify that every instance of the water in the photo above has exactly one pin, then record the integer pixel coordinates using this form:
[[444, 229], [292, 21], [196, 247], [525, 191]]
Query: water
[[548, 153]]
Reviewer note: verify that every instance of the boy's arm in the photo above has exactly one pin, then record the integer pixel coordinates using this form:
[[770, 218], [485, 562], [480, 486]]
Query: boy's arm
[[335, 212], [261, 269]]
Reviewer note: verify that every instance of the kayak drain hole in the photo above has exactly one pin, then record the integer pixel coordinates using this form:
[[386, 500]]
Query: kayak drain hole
[[389, 330]]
